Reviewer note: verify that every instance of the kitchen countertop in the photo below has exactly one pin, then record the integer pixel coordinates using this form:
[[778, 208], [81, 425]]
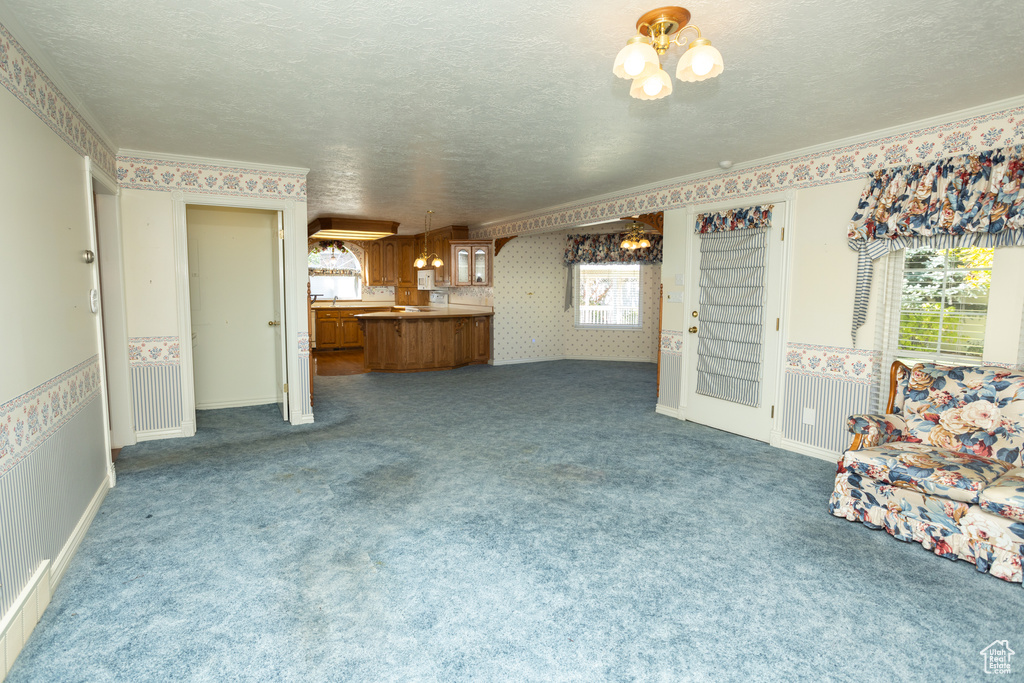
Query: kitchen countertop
[[354, 304], [429, 312]]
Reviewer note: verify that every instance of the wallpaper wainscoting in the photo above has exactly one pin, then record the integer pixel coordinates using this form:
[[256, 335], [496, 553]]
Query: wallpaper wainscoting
[[835, 382], [51, 465], [307, 409], [671, 374], [156, 382]]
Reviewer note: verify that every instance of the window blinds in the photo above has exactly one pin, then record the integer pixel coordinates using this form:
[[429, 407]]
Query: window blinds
[[731, 329]]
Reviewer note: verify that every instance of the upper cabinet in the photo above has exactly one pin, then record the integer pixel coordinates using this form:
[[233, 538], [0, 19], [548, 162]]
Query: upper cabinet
[[471, 263], [439, 242]]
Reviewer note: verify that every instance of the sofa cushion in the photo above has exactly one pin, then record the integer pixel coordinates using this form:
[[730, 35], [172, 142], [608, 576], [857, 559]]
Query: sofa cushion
[[977, 410], [1005, 496], [924, 468]]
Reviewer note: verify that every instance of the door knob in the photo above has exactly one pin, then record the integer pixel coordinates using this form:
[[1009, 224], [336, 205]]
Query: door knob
[[693, 330], [273, 323]]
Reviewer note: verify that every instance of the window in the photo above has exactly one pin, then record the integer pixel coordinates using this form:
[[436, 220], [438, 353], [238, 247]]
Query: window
[[334, 272], [608, 296], [944, 303]]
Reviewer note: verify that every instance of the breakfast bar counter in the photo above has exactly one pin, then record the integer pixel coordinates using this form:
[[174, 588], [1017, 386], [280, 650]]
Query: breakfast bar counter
[[426, 339]]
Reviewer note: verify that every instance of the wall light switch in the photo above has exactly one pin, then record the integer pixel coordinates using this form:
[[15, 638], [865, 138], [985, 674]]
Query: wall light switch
[[675, 297], [808, 416]]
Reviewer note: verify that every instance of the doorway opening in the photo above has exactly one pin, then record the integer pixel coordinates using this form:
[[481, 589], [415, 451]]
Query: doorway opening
[[236, 305]]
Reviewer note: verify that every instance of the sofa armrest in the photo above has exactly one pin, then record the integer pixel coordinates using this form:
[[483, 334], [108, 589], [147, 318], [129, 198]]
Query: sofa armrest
[[873, 430]]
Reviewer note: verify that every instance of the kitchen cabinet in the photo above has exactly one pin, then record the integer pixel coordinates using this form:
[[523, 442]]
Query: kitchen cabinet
[[413, 342], [374, 274], [481, 350], [411, 296], [471, 263], [337, 328], [389, 254], [439, 242]]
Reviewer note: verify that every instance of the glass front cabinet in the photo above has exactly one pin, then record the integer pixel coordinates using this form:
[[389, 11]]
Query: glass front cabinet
[[471, 263]]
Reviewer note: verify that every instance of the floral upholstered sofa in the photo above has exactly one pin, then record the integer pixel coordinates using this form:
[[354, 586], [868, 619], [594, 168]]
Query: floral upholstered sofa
[[943, 467]]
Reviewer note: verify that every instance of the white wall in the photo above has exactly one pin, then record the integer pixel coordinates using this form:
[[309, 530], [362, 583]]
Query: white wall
[[231, 261], [530, 322], [53, 455], [147, 225]]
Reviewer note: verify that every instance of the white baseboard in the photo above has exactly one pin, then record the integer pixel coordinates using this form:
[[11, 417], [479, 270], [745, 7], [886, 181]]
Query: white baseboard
[[300, 419], [665, 410], [20, 620], [217, 405], [60, 565], [812, 451], [154, 434], [544, 359]]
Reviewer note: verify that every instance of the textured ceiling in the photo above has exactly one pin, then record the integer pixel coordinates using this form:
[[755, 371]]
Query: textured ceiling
[[484, 110]]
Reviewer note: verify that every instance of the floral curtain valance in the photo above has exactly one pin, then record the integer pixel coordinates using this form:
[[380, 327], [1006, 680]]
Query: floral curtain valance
[[605, 249], [968, 200], [317, 246], [751, 218]]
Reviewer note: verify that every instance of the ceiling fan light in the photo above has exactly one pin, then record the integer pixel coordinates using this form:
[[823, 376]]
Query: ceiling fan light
[[652, 87], [637, 59], [700, 62]]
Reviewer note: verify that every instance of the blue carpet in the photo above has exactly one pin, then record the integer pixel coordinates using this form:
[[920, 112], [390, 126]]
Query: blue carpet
[[518, 523]]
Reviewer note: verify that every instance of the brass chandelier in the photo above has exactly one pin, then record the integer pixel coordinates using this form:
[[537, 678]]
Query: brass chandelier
[[656, 32], [421, 262], [635, 238]]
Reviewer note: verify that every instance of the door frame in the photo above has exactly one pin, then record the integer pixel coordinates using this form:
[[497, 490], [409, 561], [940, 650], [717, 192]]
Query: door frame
[[294, 218], [692, 247]]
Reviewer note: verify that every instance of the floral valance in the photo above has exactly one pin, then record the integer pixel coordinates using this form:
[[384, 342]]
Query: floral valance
[[750, 218], [606, 249], [961, 201]]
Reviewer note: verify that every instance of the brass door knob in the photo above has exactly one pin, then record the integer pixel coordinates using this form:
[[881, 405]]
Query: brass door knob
[[693, 330], [272, 323]]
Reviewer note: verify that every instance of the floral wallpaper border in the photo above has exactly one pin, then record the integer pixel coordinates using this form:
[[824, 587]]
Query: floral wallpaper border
[[154, 351], [152, 173], [20, 74], [834, 165], [30, 419], [672, 342], [834, 362]]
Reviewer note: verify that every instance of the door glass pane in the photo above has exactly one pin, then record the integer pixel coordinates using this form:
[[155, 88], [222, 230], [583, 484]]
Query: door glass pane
[[479, 265], [462, 266]]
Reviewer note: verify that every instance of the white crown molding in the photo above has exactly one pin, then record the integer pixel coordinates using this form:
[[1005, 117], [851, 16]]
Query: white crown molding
[[209, 161], [12, 24], [833, 146]]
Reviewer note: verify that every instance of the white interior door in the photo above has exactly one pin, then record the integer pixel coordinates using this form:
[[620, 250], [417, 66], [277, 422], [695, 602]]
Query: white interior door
[[279, 318], [752, 391]]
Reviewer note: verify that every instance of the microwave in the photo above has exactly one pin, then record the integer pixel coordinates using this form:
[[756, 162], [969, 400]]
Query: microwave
[[425, 279]]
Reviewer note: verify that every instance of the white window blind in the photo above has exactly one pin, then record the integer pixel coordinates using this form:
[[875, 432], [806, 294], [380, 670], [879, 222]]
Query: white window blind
[[944, 303], [608, 296]]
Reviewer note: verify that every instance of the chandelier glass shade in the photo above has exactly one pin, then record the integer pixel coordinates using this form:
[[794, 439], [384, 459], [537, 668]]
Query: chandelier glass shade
[[656, 32]]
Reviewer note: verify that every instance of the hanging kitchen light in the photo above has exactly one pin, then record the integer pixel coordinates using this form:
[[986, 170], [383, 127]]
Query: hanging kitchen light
[[421, 262]]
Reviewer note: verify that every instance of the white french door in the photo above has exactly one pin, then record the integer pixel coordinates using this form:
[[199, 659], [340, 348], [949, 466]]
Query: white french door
[[735, 293]]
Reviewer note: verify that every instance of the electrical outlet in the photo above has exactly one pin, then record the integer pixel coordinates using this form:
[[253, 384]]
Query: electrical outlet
[[809, 416]]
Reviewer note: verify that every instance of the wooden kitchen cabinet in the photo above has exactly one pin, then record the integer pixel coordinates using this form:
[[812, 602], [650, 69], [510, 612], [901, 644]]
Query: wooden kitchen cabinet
[[337, 328], [414, 342], [471, 263], [388, 259], [440, 243], [351, 336], [328, 333], [481, 339], [374, 274]]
